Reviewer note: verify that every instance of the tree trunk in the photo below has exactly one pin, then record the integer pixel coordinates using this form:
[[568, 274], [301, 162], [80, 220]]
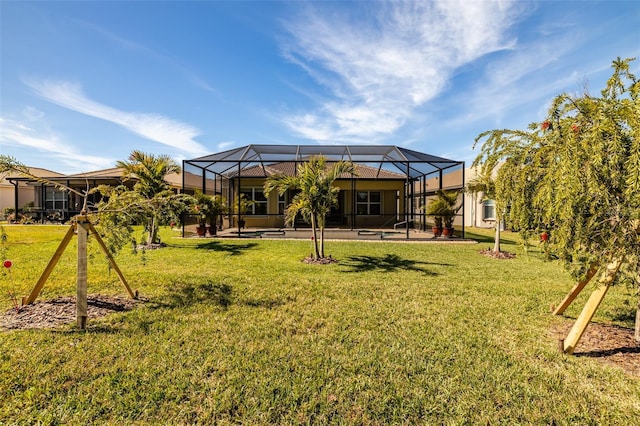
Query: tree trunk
[[314, 236], [496, 243], [81, 282], [637, 333], [153, 231], [322, 241]]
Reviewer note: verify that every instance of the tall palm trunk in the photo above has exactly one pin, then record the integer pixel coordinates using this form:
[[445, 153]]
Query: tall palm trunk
[[152, 236], [315, 236]]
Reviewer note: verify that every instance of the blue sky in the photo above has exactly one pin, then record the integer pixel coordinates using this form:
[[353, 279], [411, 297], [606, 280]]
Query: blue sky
[[82, 84]]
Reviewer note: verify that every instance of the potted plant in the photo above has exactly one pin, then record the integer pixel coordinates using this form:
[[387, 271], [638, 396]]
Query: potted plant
[[241, 208], [434, 209], [217, 207], [449, 200], [443, 209], [202, 208]]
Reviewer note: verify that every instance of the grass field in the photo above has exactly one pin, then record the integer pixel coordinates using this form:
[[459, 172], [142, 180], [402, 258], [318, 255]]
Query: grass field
[[242, 331]]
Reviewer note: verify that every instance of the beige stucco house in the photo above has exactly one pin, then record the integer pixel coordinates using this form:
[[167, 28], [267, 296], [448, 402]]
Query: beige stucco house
[[389, 189], [42, 201]]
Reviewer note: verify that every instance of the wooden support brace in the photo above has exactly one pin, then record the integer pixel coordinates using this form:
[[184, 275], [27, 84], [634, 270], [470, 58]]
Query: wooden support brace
[[575, 291], [81, 283], [112, 262], [47, 271], [590, 307], [583, 320]]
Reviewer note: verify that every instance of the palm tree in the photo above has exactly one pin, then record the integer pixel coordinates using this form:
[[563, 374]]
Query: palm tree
[[150, 172], [314, 181]]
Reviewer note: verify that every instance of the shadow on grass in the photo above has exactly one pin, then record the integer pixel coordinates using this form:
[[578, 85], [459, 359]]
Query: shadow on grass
[[626, 315], [180, 296], [92, 327], [267, 303], [609, 352], [221, 295], [478, 237], [186, 294], [506, 237], [387, 263], [232, 249]]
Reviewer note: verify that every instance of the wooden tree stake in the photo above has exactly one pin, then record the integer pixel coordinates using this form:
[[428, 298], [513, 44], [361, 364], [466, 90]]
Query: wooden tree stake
[[590, 307], [47, 271], [575, 291], [83, 227], [585, 317], [112, 262]]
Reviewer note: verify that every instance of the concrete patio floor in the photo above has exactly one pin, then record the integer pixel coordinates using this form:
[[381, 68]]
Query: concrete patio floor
[[336, 234]]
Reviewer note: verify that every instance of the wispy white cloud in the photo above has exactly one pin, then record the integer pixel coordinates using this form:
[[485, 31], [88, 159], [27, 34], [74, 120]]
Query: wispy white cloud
[[23, 134], [154, 127], [225, 145], [380, 69], [531, 75]]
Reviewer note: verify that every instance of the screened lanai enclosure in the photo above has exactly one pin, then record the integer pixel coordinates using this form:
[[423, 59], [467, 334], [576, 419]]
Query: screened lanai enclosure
[[389, 190]]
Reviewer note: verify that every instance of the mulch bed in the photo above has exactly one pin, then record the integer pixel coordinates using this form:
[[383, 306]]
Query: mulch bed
[[152, 246], [320, 260], [497, 254], [610, 344], [61, 310]]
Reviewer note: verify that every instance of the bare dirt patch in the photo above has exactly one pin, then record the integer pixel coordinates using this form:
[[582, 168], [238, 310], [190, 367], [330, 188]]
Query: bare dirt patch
[[610, 344], [62, 310]]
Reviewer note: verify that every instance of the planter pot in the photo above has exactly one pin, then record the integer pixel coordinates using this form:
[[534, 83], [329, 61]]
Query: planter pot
[[202, 230], [447, 232], [241, 223], [213, 230], [436, 231]]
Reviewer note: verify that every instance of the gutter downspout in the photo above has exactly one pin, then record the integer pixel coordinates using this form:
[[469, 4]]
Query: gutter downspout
[[463, 200], [15, 200]]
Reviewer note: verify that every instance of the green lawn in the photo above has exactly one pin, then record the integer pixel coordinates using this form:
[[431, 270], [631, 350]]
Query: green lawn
[[241, 331]]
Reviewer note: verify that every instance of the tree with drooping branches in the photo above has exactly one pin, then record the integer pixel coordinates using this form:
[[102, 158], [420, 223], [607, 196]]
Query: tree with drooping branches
[[577, 174]]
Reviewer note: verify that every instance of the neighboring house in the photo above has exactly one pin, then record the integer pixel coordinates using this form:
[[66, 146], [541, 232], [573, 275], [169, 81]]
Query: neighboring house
[[18, 192], [388, 190], [480, 212], [42, 201]]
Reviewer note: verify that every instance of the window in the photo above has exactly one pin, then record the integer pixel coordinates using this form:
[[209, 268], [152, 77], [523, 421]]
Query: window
[[489, 210], [55, 200], [368, 203], [282, 203], [418, 204], [259, 205]]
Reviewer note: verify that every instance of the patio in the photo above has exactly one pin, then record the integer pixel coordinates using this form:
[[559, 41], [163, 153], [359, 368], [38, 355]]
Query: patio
[[332, 234]]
